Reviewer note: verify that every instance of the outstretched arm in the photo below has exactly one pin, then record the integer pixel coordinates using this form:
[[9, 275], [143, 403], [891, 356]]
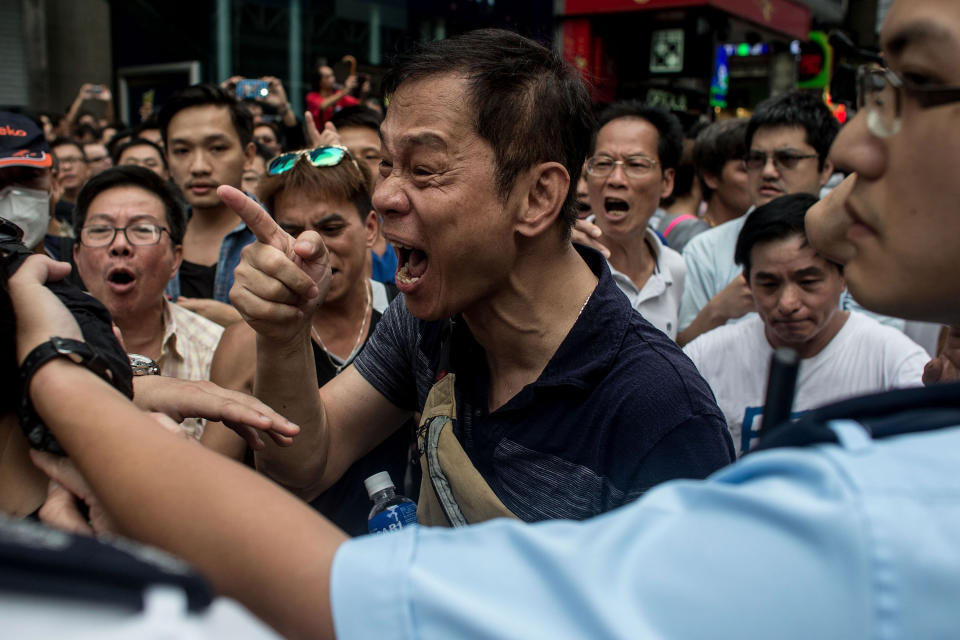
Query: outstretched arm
[[167, 491]]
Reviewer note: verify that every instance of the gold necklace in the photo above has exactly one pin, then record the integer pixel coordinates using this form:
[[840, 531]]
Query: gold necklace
[[356, 345]]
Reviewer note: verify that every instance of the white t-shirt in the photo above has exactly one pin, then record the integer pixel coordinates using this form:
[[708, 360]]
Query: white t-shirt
[[864, 357], [659, 299]]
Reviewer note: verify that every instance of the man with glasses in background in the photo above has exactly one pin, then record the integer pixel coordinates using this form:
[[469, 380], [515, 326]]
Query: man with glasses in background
[[635, 155], [130, 227], [788, 140]]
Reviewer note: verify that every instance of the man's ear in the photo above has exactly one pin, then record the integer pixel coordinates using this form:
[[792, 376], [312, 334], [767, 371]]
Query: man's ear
[[177, 259], [666, 183], [826, 172], [712, 180], [249, 152], [746, 276], [546, 190], [371, 228]]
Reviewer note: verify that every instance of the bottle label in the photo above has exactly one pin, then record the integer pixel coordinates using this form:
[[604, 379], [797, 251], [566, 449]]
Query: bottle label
[[393, 518]]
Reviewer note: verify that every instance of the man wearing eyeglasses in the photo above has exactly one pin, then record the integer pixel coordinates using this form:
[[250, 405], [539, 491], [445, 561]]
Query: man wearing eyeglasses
[[130, 227], [635, 154], [788, 141]]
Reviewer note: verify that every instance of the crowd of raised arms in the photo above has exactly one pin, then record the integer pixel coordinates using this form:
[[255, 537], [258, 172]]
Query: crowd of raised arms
[[549, 321]]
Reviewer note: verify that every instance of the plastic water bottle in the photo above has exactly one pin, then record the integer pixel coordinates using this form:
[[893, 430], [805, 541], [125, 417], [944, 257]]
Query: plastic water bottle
[[390, 511]]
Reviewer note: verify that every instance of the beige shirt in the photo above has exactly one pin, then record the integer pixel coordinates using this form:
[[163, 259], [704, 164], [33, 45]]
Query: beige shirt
[[189, 341]]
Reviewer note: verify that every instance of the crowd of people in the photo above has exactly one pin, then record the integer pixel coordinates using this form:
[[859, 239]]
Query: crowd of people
[[551, 323]]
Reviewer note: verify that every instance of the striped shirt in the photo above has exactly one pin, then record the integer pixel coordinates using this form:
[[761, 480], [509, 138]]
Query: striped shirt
[[189, 341]]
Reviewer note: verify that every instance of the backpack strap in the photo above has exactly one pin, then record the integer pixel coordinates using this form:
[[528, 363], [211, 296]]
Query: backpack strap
[[680, 218]]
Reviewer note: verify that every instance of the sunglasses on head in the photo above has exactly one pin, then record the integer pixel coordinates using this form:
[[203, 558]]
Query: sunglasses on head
[[317, 157]]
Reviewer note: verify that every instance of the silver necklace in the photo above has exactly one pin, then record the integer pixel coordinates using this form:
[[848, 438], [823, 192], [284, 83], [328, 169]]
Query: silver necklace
[[356, 345]]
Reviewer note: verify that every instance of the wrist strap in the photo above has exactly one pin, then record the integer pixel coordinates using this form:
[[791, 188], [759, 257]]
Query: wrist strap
[[80, 353]]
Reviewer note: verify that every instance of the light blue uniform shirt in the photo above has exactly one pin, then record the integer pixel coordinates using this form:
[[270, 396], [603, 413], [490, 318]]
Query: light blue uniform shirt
[[857, 540]]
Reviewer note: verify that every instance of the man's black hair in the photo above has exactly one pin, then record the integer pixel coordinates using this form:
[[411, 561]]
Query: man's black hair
[[200, 95], [670, 133], [114, 143], [85, 129], [527, 103], [796, 109], [63, 141], [357, 116], [715, 146], [146, 125], [130, 175], [137, 142], [778, 219]]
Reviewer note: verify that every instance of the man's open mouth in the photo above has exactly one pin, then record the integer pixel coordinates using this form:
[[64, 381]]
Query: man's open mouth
[[121, 276], [615, 205], [411, 263]]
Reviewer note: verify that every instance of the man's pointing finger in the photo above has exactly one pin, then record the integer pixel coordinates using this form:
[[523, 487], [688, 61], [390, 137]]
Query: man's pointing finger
[[258, 220]]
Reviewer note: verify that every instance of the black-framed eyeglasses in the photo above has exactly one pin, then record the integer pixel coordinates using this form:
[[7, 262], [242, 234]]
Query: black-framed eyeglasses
[[602, 166], [141, 234], [329, 156], [880, 96], [782, 159]]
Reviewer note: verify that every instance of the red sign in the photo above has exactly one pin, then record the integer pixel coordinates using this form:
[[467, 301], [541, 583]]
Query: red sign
[[586, 52], [785, 16]]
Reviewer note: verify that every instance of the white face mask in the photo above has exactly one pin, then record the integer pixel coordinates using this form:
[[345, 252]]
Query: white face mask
[[29, 209]]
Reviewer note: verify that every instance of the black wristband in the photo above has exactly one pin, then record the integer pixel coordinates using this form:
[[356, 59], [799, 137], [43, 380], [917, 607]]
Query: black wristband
[[80, 353]]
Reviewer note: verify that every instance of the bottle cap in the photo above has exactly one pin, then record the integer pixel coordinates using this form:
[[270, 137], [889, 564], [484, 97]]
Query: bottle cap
[[378, 482]]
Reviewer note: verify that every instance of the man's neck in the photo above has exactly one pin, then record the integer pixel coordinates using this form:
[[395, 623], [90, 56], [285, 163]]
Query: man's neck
[[338, 323], [632, 256], [206, 230], [209, 218], [686, 204], [818, 343], [719, 212], [143, 331], [523, 325], [70, 195]]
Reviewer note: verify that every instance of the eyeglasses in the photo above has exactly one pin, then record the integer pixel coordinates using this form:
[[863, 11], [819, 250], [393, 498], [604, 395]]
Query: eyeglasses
[[317, 157], [69, 160], [139, 235], [633, 166], [782, 159], [880, 96]]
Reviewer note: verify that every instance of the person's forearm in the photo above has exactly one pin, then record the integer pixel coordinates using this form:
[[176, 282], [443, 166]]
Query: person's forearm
[[707, 320], [289, 118], [251, 539], [286, 380], [74, 110], [326, 103]]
